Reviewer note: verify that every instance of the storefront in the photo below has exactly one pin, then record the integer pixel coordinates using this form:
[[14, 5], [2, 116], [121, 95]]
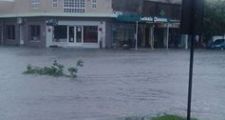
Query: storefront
[[88, 34], [125, 30]]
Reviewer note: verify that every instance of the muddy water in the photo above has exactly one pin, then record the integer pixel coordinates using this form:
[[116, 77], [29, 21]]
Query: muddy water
[[111, 85]]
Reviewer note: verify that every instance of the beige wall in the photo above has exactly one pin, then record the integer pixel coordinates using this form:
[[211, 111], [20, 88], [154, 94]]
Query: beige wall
[[6, 7], [103, 6], [24, 6]]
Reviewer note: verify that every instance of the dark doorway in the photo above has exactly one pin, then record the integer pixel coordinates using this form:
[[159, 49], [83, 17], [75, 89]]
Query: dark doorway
[[159, 34], [1, 33], [147, 37], [174, 38]]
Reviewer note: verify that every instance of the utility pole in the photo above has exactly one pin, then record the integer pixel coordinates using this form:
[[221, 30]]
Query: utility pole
[[191, 23]]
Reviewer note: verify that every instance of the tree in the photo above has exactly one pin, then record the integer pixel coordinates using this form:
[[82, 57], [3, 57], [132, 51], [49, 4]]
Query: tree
[[214, 18]]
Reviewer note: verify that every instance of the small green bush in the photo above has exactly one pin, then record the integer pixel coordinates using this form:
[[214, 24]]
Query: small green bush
[[56, 69], [162, 117], [170, 117]]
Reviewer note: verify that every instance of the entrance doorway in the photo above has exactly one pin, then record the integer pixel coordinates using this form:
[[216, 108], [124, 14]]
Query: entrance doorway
[[75, 35], [159, 37], [147, 37]]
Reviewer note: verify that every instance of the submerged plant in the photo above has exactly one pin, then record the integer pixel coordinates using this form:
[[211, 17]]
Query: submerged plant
[[73, 70], [56, 69], [30, 70]]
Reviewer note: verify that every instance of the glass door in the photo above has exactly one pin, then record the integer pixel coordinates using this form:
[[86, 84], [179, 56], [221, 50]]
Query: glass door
[[71, 34]]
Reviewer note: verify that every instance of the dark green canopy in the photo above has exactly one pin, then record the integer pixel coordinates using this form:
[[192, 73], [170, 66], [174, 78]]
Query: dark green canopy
[[129, 18]]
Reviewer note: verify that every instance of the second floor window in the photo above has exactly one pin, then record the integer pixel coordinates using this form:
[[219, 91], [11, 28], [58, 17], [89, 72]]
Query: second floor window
[[94, 4], [35, 4], [54, 3], [74, 6]]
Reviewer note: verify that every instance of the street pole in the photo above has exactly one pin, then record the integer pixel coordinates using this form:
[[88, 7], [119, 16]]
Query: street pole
[[191, 24], [190, 82], [190, 76], [152, 37]]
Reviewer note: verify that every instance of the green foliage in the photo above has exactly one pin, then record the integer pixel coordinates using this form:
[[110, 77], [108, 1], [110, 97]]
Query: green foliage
[[30, 70], [214, 18], [80, 63], [134, 118], [56, 70], [162, 117], [169, 117], [73, 71]]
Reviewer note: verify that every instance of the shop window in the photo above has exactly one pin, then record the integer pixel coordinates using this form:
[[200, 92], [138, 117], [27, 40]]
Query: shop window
[[11, 32], [35, 32], [90, 34], [60, 33]]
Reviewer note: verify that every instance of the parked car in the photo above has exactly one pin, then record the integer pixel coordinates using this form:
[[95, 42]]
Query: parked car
[[217, 44]]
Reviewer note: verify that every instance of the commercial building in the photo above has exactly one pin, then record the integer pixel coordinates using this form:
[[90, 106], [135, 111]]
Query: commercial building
[[77, 23]]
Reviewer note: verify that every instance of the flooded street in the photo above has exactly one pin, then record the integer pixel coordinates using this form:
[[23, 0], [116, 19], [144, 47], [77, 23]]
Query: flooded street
[[112, 84]]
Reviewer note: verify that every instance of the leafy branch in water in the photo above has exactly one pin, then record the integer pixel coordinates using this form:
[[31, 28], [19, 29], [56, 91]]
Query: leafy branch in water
[[56, 69], [74, 70]]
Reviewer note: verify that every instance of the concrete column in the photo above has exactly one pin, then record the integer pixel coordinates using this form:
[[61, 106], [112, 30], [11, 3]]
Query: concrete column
[[185, 39], [21, 35], [167, 35], [144, 35], [136, 36], [102, 35], [49, 35], [152, 36]]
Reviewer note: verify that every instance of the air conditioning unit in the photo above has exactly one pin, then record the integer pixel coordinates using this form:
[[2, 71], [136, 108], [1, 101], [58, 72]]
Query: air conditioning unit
[[52, 22], [20, 21]]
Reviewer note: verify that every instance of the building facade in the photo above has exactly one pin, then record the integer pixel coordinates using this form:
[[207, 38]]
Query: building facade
[[70, 23], [45, 23], [165, 30]]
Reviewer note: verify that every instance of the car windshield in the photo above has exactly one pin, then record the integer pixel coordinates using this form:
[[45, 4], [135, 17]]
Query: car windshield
[[219, 41]]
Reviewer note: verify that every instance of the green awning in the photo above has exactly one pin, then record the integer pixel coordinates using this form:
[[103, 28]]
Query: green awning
[[129, 18]]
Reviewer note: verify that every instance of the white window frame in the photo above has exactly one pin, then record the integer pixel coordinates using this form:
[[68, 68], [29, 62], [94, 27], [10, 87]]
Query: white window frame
[[94, 3], [54, 3], [74, 6], [35, 4]]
